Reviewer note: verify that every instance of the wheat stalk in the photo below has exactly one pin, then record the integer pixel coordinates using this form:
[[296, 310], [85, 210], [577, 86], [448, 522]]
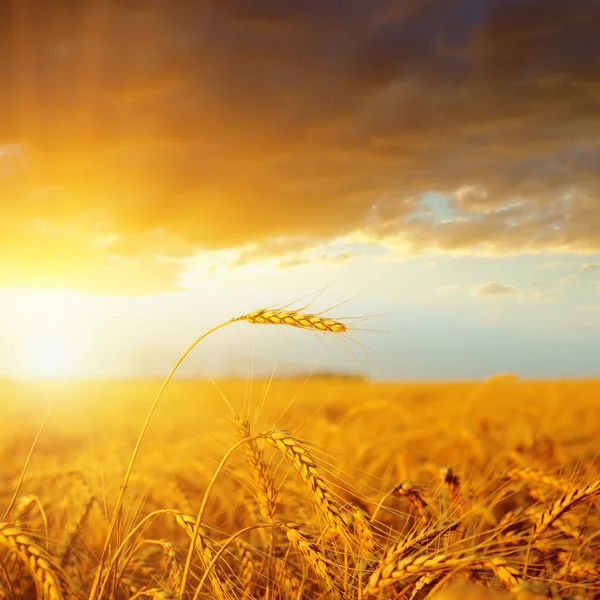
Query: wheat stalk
[[265, 316]]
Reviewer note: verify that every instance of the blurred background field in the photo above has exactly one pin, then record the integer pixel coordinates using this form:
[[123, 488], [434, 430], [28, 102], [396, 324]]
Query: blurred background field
[[379, 432], [366, 437]]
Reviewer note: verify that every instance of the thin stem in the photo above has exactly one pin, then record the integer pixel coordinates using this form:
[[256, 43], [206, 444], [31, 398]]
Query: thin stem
[[25, 467], [128, 537], [138, 444], [211, 485], [222, 549], [380, 504]]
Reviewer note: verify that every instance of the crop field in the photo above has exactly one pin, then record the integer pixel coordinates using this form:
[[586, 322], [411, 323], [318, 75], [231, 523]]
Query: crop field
[[342, 489]]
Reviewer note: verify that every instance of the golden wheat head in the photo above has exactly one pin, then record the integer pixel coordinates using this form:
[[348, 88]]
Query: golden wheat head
[[47, 575], [294, 318]]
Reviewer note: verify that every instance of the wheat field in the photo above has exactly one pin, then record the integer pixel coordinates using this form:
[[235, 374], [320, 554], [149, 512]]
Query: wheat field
[[351, 489], [317, 488]]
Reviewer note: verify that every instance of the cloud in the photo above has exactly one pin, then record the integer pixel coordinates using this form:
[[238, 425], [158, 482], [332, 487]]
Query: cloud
[[568, 279], [273, 255], [323, 258], [229, 123], [590, 266], [534, 294], [494, 289], [590, 307]]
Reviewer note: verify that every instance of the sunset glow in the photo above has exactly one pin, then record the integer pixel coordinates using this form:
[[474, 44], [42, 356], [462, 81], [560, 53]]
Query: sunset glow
[[300, 299], [443, 176]]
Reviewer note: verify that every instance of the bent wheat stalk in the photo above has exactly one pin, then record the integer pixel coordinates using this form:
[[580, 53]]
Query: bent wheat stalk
[[261, 316], [210, 566], [194, 534]]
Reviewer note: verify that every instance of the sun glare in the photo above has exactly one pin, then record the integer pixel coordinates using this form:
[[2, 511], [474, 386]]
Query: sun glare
[[50, 348], [52, 358]]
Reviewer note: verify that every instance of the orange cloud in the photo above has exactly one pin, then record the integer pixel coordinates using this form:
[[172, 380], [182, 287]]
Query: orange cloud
[[229, 124]]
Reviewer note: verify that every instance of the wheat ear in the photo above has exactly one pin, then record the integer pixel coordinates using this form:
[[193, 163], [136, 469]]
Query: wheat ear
[[418, 541], [562, 505], [249, 569], [294, 318], [364, 534], [49, 578], [207, 551], [68, 547], [266, 494], [407, 490], [312, 555], [537, 476], [394, 572], [577, 569], [302, 461]]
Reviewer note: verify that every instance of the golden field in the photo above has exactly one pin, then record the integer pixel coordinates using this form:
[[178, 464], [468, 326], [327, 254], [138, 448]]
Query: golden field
[[354, 489]]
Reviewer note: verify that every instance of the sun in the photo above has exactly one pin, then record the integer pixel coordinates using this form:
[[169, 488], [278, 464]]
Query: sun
[[52, 358], [50, 340]]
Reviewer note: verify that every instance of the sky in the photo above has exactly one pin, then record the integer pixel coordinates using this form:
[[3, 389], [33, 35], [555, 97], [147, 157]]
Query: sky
[[431, 165]]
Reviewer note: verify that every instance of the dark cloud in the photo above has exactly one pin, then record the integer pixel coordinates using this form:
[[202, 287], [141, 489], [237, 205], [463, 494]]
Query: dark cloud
[[231, 122]]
